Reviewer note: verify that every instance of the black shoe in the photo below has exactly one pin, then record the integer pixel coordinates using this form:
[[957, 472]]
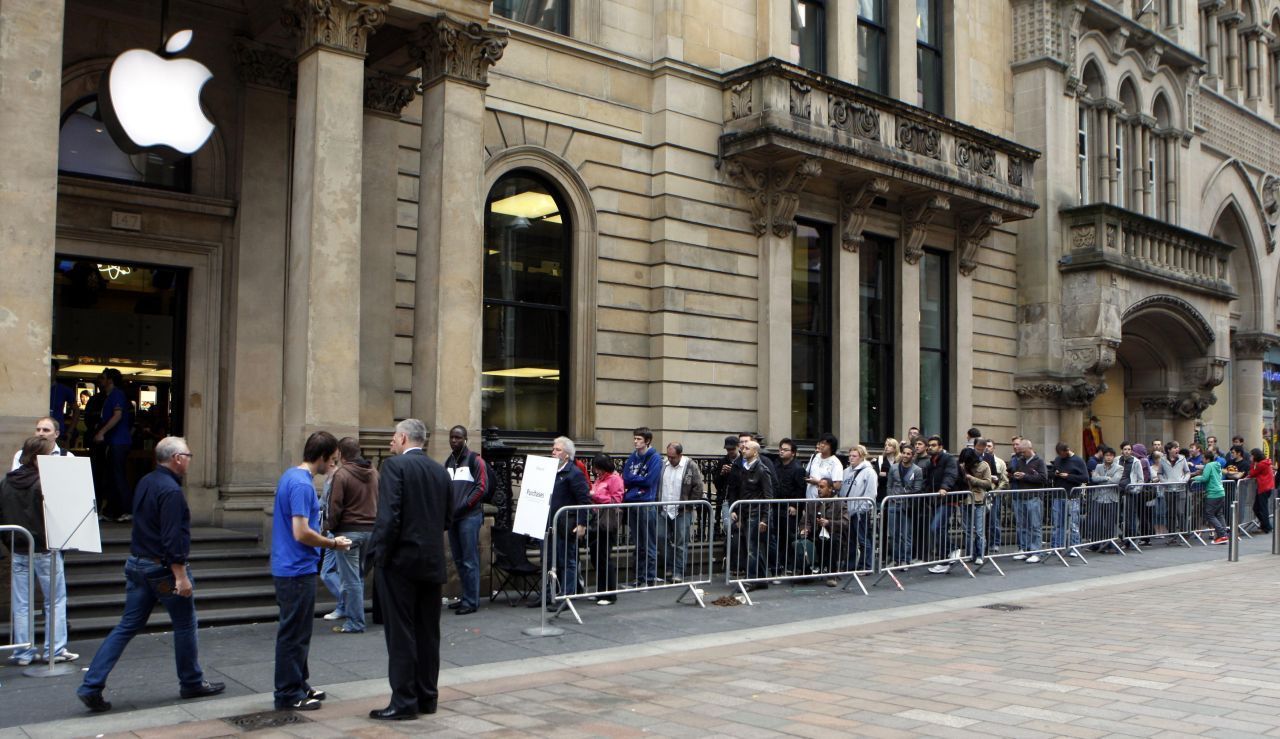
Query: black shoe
[[465, 611], [455, 605], [96, 703], [752, 587], [306, 704], [391, 714], [316, 695], [203, 689], [427, 708]]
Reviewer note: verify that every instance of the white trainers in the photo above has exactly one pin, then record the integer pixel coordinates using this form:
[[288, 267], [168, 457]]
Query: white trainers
[[333, 616], [1033, 559], [940, 569], [979, 561], [955, 554], [1020, 555], [65, 656], [1073, 553]]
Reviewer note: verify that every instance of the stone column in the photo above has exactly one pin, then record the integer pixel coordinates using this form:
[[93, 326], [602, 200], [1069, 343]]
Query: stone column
[[1252, 89], [1232, 63], [842, 44], [1247, 351], [1211, 42], [384, 97], [251, 426], [1145, 168], [773, 29], [31, 79], [774, 195], [322, 315], [902, 52], [1112, 140], [455, 57]]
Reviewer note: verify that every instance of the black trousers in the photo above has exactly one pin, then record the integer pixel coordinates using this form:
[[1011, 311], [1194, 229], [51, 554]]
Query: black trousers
[[411, 615]]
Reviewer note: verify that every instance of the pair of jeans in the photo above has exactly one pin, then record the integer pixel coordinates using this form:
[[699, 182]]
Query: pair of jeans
[[43, 564], [296, 597], [464, 541], [674, 537], [757, 540], [350, 579], [1133, 514], [1066, 523], [976, 530], [941, 542], [602, 543], [147, 582], [1028, 509], [993, 521], [645, 537], [900, 531], [120, 500], [565, 558], [1214, 513], [862, 555]]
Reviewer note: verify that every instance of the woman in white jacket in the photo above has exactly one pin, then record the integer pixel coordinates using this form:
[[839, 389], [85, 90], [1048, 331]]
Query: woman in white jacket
[[860, 481]]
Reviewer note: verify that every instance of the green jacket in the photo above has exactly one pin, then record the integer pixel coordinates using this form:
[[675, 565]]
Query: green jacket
[[1212, 479]]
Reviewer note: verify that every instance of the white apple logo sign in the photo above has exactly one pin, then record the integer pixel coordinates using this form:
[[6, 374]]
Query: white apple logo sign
[[153, 103]]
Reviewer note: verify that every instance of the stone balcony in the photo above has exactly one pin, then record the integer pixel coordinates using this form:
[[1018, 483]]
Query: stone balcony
[[776, 112], [1104, 236]]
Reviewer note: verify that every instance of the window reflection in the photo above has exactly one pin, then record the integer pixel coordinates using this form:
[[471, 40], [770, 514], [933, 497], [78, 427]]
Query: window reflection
[[811, 331], [935, 328], [552, 15], [808, 31], [85, 148], [873, 46], [876, 340]]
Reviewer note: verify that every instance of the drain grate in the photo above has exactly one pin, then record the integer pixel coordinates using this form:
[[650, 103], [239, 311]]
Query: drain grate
[[1005, 607], [265, 720]]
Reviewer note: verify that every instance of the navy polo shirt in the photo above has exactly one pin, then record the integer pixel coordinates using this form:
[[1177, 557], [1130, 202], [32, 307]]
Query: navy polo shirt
[[161, 519]]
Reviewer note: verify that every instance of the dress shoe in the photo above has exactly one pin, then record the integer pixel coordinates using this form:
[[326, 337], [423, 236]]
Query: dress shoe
[[454, 605], [427, 708], [465, 611], [306, 704], [203, 689], [316, 695], [391, 714], [96, 703]]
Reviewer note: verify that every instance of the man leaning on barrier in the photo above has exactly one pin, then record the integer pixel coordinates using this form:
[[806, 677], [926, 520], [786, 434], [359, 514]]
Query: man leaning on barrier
[[570, 489], [755, 484], [1028, 472], [1067, 473], [1102, 514], [941, 474], [641, 476], [905, 478], [681, 481], [860, 481]]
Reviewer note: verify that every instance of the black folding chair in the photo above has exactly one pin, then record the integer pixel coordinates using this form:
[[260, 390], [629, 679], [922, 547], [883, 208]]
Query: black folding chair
[[510, 567]]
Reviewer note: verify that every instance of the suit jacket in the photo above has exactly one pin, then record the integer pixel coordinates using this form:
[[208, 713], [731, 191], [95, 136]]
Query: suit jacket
[[414, 508], [570, 489]]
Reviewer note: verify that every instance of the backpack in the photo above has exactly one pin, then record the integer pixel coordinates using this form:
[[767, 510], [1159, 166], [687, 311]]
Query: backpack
[[488, 482]]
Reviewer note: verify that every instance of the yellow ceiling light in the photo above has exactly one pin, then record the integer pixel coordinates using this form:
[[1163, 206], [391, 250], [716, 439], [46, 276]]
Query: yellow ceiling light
[[538, 373], [128, 371], [527, 204]]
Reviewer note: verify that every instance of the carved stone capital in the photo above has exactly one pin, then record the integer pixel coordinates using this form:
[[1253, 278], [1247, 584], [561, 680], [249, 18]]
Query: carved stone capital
[[916, 216], [971, 230], [1070, 393], [1205, 374], [774, 193], [385, 93], [855, 207], [263, 66], [1090, 357], [461, 51], [337, 24], [1253, 345]]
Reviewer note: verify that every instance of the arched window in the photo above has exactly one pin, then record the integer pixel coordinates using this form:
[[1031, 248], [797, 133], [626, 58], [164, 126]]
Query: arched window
[[527, 295], [1128, 151], [1089, 112], [1163, 149], [86, 149]]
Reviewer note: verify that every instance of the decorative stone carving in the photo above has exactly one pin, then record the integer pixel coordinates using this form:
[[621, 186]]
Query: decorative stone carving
[[452, 49], [774, 193], [1084, 237], [976, 157], [1015, 171], [1045, 390], [1206, 374], [740, 102], [1081, 393], [801, 106], [1074, 15], [1271, 207], [971, 230], [1174, 304], [1253, 345], [262, 65], [1193, 403], [1092, 359], [853, 118], [337, 24], [1159, 404], [388, 94], [1075, 393], [920, 139], [916, 216], [855, 206]]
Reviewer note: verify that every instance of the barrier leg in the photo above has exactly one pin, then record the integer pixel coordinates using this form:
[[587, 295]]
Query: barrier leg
[[888, 571], [855, 579], [1079, 554], [696, 594], [544, 629]]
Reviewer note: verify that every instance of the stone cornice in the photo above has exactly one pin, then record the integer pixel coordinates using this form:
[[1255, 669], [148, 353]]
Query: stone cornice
[[1253, 344], [388, 94], [774, 193], [263, 66], [447, 48], [855, 207], [343, 25]]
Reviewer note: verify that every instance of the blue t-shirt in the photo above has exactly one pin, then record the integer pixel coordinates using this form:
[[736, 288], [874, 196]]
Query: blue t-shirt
[[61, 400], [295, 496], [120, 433]]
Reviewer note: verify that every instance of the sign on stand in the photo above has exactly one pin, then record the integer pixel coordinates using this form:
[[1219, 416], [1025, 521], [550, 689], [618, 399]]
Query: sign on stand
[[535, 496], [70, 510]]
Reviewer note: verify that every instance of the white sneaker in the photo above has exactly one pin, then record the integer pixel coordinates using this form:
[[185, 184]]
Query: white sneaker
[[333, 616], [65, 656], [22, 661], [955, 554], [940, 569], [1033, 559], [1073, 553], [1020, 555], [979, 561]]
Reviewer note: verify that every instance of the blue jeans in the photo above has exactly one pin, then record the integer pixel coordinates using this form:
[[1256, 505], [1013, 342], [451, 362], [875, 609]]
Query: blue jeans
[[1028, 510], [565, 558], [757, 566], [900, 531], [674, 535], [350, 579], [296, 597], [862, 554], [1066, 523], [120, 500], [146, 583], [464, 540], [993, 522], [976, 530], [645, 537], [22, 601]]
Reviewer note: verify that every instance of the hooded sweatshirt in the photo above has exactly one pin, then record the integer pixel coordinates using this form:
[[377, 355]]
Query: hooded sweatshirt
[[22, 503], [353, 499], [642, 476]]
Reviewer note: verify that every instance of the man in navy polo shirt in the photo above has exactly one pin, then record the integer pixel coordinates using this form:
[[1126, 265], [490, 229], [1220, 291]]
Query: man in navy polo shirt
[[295, 557]]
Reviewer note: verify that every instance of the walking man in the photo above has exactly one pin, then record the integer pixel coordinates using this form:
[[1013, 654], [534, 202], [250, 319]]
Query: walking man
[[295, 555], [156, 572], [467, 485], [414, 508]]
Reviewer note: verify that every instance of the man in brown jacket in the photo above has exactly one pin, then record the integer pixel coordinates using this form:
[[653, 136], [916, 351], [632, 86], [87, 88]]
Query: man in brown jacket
[[352, 509], [681, 481]]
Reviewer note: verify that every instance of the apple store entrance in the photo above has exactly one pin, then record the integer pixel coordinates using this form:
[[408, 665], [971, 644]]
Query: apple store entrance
[[130, 317]]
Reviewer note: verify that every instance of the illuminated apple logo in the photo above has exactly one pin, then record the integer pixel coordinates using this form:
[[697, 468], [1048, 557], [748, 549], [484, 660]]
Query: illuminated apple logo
[[151, 102]]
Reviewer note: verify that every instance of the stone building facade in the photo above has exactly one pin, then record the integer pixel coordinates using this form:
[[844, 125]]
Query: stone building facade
[[554, 216]]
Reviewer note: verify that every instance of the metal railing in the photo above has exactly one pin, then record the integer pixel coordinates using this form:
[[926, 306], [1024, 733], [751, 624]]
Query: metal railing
[[800, 539], [1166, 511], [1100, 525], [1035, 532], [935, 530], [13, 644]]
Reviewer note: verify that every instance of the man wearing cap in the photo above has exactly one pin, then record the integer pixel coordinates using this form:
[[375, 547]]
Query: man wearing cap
[[723, 479]]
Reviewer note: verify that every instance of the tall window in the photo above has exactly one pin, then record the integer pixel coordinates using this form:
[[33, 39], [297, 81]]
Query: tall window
[[875, 340], [1122, 135], [525, 348], [873, 46], [808, 34], [553, 15], [86, 149], [811, 331], [1082, 153], [929, 55], [935, 330]]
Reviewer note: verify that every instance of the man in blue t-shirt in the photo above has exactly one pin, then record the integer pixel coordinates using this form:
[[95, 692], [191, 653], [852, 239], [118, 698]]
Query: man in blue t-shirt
[[295, 557], [116, 436]]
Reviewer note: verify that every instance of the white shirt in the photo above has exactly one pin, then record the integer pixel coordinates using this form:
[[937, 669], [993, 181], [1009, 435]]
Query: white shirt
[[672, 480], [819, 468], [57, 451]]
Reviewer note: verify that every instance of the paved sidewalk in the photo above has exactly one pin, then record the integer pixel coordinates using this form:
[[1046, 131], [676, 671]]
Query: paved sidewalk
[[1138, 651]]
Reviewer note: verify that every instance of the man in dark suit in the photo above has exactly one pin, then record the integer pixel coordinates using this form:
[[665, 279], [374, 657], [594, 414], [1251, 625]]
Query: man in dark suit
[[407, 546]]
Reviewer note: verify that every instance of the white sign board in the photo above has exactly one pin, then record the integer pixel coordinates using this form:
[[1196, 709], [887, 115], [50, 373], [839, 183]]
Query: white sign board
[[70, 508], [535, 496]]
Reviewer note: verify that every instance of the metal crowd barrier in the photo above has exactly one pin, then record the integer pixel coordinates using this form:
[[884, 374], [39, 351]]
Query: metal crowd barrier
[[1246, 492], [1159, 510], [1099, 528], [1041, 516], [33, 601], [936, 530], [628, 548], [800, 539]]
